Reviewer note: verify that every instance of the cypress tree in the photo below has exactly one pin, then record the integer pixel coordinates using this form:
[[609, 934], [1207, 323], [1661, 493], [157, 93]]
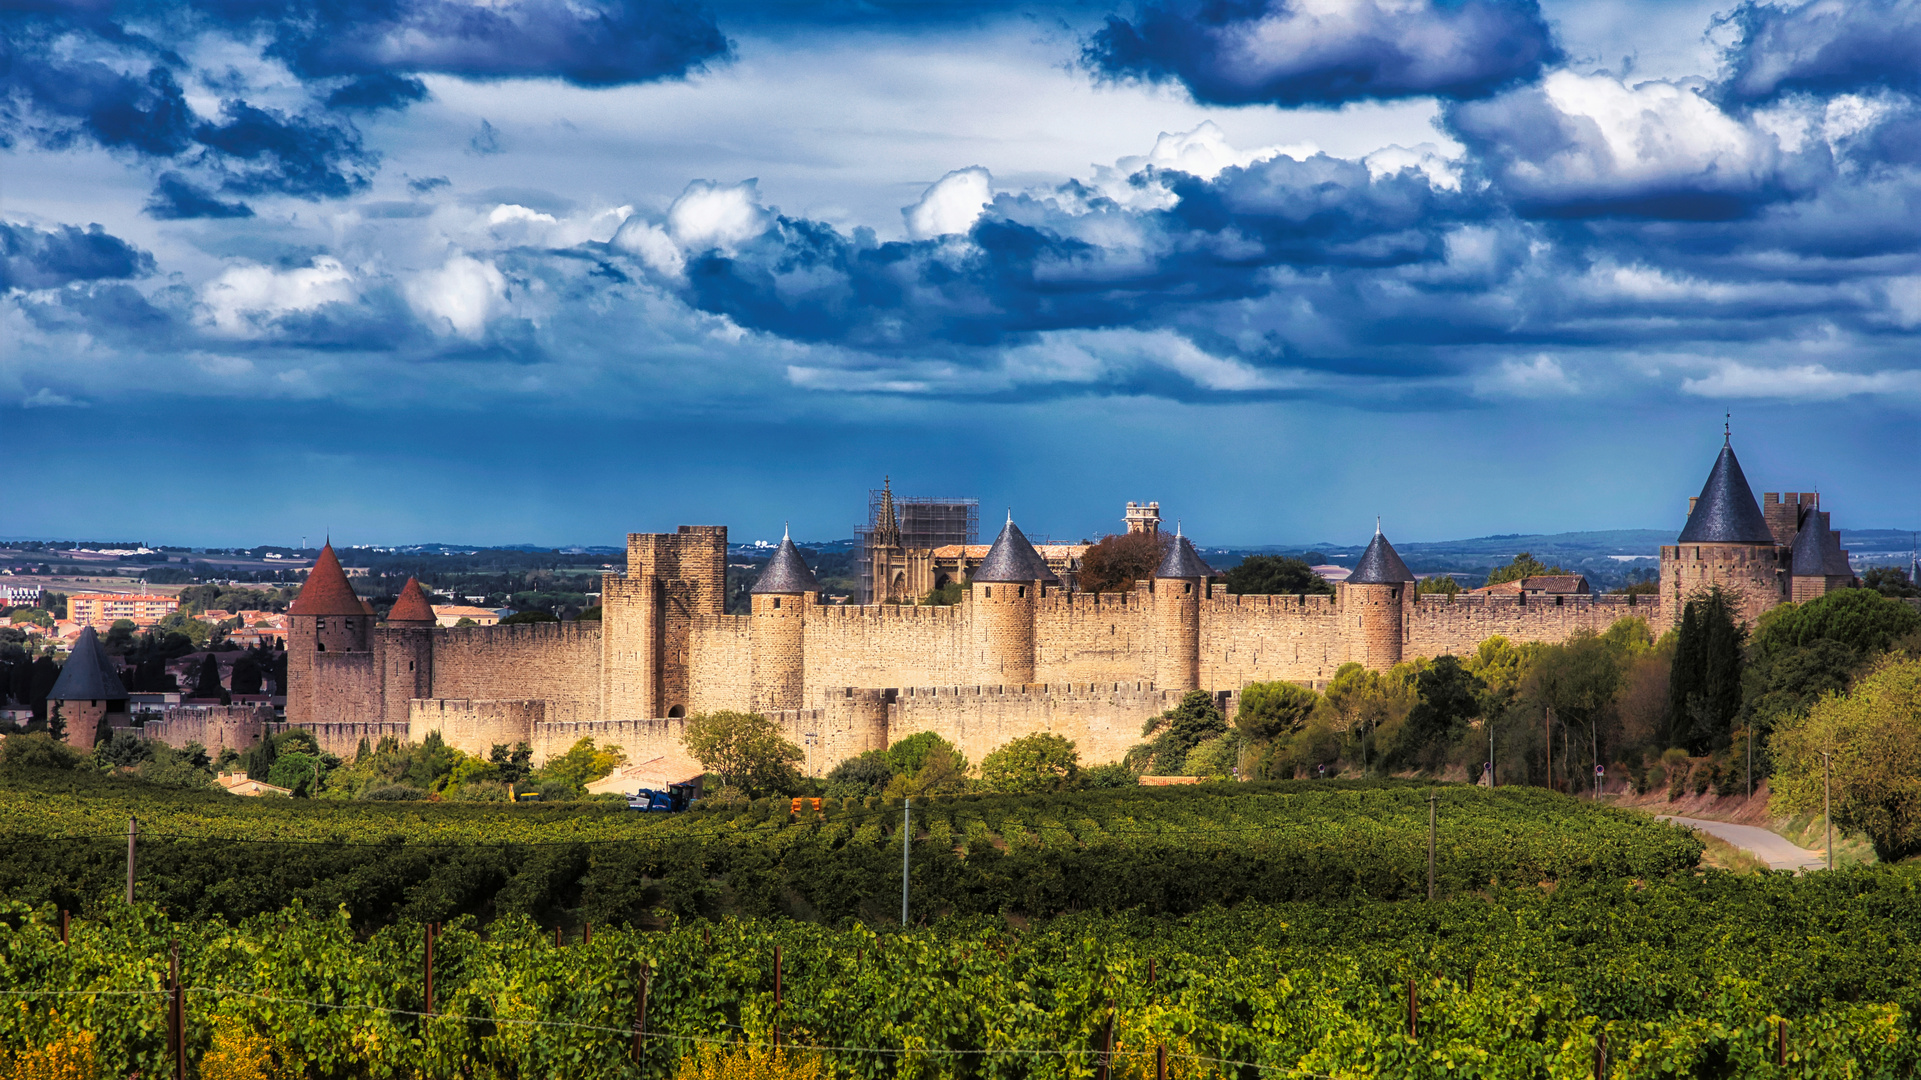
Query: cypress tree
[[207, 684], [1704, 687]]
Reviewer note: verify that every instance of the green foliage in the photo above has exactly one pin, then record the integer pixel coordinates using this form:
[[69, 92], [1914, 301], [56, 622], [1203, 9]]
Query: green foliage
[[1874, 736], [860, 777], [580, 765], [1800, 652], [1438, 585], [1268, 575], [38, 750], [744, 750], [1032, 764], [589, 614], [1686, 979], [1524, 565], [1175, 733], [297, 772], [925, 764], [946, 595], [119, 638], [1219, 756], [179, 621], [1162, 850], [520, 617], [30, 616], [1448, 696], [1704, 687], [1270, 710], [1890, 581]]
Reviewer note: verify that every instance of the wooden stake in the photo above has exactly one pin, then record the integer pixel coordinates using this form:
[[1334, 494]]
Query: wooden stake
[[1781, 1043], [640, 1012], [176, 1017], [1601, 1055], [1160, 1062], [557, 940], [777, 999], [429, 1010], [587, 933], [1413, 1011], [63, 926], [1107, 1043]]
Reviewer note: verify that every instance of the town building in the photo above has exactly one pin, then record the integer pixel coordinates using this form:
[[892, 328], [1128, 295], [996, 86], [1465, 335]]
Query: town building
[[102, 610]]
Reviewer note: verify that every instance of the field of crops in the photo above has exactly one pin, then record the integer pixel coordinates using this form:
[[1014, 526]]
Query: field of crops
[[1688, 977], [1155, 850]]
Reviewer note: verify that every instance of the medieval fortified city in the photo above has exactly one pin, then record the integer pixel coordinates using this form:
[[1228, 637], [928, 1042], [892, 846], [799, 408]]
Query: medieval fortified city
[[923, 540]]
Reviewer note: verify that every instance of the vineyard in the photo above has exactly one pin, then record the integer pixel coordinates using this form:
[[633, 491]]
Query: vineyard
[[1153, 850], [1710, 977]]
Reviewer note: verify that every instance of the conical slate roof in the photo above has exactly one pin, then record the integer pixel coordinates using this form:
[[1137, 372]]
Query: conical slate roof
[[1836, 562], [1726, 512], [1012, 559], [1182, 561], [412, 606], [786, 572], [1380, 565], [87, 675], [1811, 547], [326, 591]]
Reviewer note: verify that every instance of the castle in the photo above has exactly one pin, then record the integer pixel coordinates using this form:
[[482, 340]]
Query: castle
[[1022, 652]]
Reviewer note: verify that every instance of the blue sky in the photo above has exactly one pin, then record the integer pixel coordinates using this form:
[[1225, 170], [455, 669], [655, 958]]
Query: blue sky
[[534, 270]]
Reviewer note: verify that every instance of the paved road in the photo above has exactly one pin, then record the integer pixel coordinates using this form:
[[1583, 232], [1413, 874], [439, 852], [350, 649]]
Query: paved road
[[1768, 847]]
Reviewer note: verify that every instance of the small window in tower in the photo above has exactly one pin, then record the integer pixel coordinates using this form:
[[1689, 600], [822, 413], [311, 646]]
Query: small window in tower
[[1023, 593], [410, 665], [988, 592], [1187, 588], [320, 624], [320, 646], [777, 601]]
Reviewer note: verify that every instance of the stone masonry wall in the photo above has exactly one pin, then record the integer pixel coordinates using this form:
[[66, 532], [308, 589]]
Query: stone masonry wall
[[1438, 625], [721, 661], [343, 740], [1248, 639], [1094, 637], [1103, 720], [346, 689], [884, 645], [216, 727], [557, 662]]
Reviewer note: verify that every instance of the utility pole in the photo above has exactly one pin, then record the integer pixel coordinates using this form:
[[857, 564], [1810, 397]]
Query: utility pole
[[906, 831]]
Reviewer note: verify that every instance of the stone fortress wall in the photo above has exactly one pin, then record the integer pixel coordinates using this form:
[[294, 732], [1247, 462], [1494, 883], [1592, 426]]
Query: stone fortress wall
[[1010, 659]]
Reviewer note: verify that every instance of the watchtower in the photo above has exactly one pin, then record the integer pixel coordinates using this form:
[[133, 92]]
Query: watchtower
[[1374, 601], [1180, 582], [779, 602], [407, 651], [326, 617], [1003, 594], [1726, 543]]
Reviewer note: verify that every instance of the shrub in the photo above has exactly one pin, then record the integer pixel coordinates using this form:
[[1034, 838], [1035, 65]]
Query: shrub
[[395, 793], [38, 750]]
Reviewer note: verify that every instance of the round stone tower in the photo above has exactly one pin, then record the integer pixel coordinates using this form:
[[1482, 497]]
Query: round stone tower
[[325, 618], [1373, 601], [407, 652], [780, 600], [1179, 584], [88, 694], [1726, 543], [1003, 594]]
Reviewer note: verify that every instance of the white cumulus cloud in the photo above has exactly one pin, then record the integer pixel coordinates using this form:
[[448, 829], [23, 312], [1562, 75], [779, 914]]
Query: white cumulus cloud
[[459, 297], [951, 204], [248, 295], [1541, 377], [712, 215], [1802, 382]]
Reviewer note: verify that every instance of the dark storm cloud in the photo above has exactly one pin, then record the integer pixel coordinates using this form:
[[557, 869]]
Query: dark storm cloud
[[33, 258], [1824, 47], [175, 198], [1077, 260], [112, 74], [1236, 52]]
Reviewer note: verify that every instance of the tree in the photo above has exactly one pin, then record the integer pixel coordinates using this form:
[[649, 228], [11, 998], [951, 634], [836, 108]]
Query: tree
[[1119, 560], [1275, 575], [1890, 581], [1174, 734], [1874, 736], [1704, 688], [744, 750], [465, 621], [1367, 705], [1449, 695], [1800, 652], [925, 764], [207, 683], [861, 776], [1032, 764], [296, 771], [119, 639], [519, 617], [246, 677], [1271, 710], [582, 764], [1438, 585], [45, 674], [1523, 566]]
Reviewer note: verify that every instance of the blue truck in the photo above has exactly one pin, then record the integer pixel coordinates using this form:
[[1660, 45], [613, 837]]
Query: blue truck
[[676, 798]]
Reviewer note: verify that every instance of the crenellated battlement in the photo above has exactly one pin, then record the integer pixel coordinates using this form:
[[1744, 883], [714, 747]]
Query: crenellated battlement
[[520, 634]]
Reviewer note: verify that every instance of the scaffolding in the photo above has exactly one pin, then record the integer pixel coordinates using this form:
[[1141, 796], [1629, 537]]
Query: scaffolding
[[925, 522]]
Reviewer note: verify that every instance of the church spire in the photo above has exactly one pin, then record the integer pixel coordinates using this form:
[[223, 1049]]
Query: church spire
[[886, 521]]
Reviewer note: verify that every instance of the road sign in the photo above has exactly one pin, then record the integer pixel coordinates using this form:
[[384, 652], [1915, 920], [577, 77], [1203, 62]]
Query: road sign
[[1600, 770]]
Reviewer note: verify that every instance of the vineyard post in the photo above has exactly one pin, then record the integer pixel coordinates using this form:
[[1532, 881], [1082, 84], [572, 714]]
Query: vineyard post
[[430, 969], [63, 926], [640, 1013], [776, 999], [587, 933], [1107, 1043], [1600, 1055], [1413, 1010], [1547, 729], [1781, 1042], [133, 833], [1160, 1049], [1827, 793], [1432, 798], [906, 827], [176, 1016], [558, 942]]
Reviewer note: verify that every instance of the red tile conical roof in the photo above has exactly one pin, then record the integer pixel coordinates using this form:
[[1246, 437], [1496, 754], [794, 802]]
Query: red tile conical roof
[[412, 607], [326, 591]]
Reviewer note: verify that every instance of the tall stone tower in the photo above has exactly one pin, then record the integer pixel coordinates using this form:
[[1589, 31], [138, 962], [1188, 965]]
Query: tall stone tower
[[1374, 601], [780, 599], [1179, 584], [325, 618], [1817, 565], [1726, 543], [647, 618], [88, 691], [1003, 595], [407, 652]]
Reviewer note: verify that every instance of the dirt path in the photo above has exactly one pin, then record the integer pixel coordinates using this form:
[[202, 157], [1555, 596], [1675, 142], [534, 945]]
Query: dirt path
[[1769, 847]]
